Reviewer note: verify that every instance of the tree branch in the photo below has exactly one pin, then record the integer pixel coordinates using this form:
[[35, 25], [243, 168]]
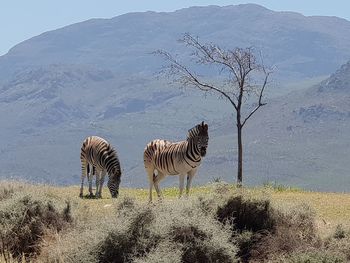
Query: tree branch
[[190, 77], [260, 98], [191, 41], [239, 62]]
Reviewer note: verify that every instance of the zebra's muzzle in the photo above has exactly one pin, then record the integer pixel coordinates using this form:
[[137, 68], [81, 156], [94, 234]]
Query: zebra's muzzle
[[203, 151]]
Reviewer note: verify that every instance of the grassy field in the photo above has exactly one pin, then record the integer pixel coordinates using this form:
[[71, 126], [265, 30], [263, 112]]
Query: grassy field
[[78, 232], [331, 209]]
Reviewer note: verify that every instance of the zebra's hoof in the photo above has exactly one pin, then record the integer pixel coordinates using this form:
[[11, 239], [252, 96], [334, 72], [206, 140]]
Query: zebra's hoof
[[81, 195]]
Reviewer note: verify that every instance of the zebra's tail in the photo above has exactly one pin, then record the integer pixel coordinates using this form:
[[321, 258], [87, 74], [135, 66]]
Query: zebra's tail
[[148, 156], [84, 172]]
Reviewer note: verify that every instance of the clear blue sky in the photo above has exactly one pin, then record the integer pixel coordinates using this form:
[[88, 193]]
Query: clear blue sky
[[23, 19]]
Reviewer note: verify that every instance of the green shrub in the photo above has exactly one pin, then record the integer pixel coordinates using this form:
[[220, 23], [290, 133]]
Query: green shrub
[[339, 232], [280, 187], [217, 180]]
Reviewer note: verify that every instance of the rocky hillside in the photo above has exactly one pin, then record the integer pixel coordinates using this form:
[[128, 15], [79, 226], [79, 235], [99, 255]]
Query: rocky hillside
[[97, 77]]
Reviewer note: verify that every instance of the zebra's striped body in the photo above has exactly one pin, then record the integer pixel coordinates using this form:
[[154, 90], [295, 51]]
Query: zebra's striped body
[[98, 157], [178, 158]]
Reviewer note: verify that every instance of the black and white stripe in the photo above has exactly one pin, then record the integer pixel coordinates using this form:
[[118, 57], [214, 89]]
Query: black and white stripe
[[98, 158], [178, 158]]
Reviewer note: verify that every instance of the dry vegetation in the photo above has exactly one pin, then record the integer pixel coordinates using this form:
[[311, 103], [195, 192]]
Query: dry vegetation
[[219, 223]]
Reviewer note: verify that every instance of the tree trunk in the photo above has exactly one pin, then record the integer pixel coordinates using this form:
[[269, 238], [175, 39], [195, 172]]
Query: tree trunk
[[240, 156]]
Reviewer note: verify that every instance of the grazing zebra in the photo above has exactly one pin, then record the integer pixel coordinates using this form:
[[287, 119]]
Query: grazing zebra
[[98, 158], [178, 158]]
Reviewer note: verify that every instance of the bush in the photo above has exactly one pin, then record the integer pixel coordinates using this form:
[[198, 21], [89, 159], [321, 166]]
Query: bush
[[195, 247], [8, 188], [339, 232], [136, 241], [250, 221], [126, 203], [198, 233], [216, 227], [339, 243], [176, 231], [262, 232], [245, 214], [294, 231], [24, 223], [165, 251], [313, 257]]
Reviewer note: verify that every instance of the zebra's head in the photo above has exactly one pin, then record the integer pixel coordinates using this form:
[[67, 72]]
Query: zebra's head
[[113, 185], [200, 136]]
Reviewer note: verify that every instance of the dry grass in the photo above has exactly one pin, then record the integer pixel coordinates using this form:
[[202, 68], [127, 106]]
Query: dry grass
[[331, 209], [95, 221]]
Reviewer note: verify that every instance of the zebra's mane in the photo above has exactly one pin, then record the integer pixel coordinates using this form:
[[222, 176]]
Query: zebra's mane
[[198, 130]]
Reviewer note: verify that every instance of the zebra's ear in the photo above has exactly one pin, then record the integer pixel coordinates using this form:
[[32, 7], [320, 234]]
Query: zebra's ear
[[205, 127]]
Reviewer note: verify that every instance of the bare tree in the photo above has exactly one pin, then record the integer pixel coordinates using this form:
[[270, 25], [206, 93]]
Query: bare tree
[[244, 78]]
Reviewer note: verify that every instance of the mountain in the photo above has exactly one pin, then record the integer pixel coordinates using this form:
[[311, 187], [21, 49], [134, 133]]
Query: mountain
[[303, 138], [97, 78], [299, 46]]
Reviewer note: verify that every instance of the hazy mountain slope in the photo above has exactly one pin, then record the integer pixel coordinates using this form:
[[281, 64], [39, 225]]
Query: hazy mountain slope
[[300, 139], [96, 77], [300, 46], [303, 138]]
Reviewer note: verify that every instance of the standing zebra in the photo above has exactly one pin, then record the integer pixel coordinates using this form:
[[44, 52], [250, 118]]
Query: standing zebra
[[178, 158], [98, 157]]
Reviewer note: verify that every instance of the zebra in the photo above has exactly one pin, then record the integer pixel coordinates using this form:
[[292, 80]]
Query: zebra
[[176, 158], [98, 158]]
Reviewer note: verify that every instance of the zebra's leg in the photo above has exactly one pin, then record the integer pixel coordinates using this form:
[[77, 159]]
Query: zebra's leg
[[151, 176], [181, 184], [102, 180], [90, 176], [190, 175], [97, 183], [156, 181], [84, 172]]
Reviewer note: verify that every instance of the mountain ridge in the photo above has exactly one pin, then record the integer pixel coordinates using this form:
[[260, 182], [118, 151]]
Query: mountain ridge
[[98, 78], [140, 33]]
